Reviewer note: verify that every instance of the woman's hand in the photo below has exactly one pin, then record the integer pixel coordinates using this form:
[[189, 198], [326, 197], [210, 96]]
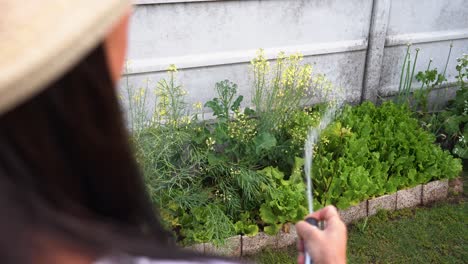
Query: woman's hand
[[323, 246]]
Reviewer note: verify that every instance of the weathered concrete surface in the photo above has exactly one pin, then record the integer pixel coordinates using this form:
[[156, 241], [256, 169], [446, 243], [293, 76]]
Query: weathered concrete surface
[[408, 17], [354, 213], [409, 197], [375, 51], [386, 202], [173, 30], [437, 51], [232, 248], [254, 244], [287, 236], [435, 191], [200, 248], [215, 40], [456, 186], [431, 27]]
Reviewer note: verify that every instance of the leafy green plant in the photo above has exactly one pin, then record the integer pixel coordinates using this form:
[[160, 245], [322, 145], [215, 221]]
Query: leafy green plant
[[235, 138], [246, 226], [285, 201], [298, 126], [225, 102], [453, 133], [460, 109], [429, 79], [207, 223], [462, 69], [373, 150], [450, 125]]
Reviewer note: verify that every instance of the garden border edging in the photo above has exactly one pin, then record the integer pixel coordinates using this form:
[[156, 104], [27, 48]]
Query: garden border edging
[[422, 194]]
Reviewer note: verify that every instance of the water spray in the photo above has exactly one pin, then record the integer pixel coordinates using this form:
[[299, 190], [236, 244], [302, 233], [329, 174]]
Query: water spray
[[312, 138]]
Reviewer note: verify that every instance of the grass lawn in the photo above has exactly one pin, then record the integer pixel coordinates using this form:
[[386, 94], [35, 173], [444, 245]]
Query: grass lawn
[[435, 234]]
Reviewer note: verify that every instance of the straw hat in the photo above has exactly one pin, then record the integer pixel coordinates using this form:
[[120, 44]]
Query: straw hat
[[41, 39]]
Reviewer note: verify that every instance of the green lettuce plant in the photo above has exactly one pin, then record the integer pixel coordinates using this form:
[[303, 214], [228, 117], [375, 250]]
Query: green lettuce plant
[[373, 150], [285, 202], [246, 226]]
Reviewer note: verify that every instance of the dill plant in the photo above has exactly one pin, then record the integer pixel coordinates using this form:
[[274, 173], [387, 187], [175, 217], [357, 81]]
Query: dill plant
[[162, 135]]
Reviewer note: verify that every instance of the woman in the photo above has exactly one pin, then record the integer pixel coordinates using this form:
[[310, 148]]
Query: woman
[[70, 189]]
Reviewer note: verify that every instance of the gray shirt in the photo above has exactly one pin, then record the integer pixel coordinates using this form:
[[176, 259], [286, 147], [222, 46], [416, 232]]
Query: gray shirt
[[143, 260]]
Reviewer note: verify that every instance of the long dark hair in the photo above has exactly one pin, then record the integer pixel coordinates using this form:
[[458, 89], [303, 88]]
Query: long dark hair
[[67, 173]]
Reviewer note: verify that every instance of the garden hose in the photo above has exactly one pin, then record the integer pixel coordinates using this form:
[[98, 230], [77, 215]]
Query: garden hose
[[314, 222]]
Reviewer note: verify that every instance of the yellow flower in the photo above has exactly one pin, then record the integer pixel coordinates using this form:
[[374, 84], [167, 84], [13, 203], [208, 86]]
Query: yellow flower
[[198, 106], [142, 92], [172, 68], [186, 120], [325, 140], [210, 143]]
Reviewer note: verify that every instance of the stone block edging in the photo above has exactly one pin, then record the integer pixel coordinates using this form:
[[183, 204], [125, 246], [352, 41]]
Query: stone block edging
[[409, 197], [386, 202], [422, 194], [435, 191], [354, 213], [456, 186]]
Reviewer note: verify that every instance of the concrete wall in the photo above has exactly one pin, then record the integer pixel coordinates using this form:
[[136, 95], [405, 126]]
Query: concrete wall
[[430, 26], [358, 44]]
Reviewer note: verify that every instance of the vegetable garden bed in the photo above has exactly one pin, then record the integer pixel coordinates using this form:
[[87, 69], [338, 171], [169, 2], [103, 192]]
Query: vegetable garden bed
[[239, 246], [241, 175]]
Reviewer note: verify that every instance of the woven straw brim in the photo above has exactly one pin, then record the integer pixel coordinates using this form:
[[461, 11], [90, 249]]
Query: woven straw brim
[[41, 39]]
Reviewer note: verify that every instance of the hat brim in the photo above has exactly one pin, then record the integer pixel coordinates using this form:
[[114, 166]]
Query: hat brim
[[41, 40]]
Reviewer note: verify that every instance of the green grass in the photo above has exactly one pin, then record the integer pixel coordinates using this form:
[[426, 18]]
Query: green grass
[[436, 234]]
